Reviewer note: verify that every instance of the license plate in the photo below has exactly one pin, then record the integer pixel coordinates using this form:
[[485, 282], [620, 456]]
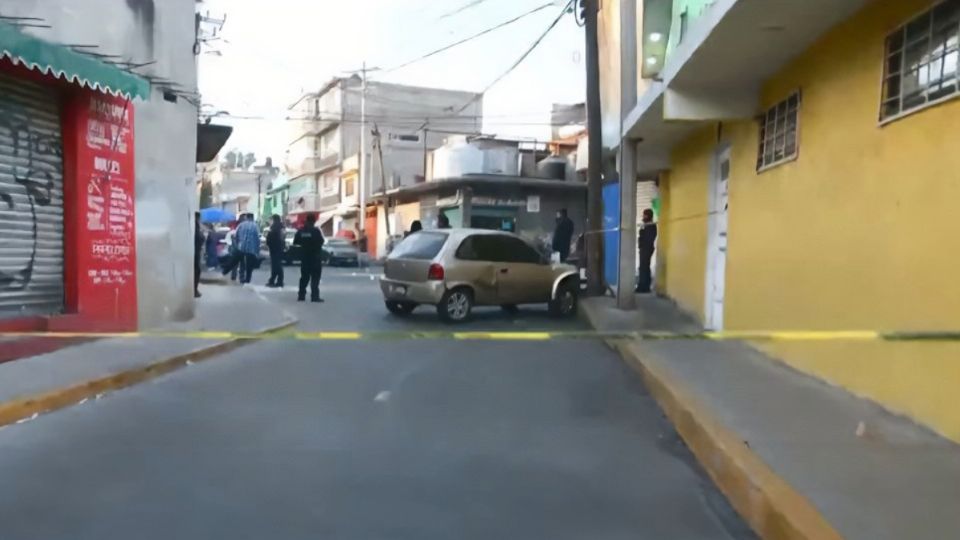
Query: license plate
[[399, 290]]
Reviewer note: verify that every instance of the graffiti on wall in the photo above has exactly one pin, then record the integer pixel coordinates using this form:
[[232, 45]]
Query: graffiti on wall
[[36, 159]]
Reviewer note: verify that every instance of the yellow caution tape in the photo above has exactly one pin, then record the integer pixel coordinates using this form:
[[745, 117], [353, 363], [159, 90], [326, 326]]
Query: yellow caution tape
[[730, 335]]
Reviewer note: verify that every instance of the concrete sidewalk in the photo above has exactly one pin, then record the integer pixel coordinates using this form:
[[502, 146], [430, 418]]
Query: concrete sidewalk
[[50, 381], [797, 458]]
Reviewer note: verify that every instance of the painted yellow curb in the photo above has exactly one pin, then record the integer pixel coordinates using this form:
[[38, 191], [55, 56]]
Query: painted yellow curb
[[26, 407], [766, 501]]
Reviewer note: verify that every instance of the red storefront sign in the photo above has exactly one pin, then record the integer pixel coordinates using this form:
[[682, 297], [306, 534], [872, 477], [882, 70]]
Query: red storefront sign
[[104, 210]]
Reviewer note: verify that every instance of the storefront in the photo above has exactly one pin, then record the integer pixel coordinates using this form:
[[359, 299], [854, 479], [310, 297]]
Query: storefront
[[67, 199]]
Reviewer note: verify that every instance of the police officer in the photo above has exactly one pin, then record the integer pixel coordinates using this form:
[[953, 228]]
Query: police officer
[[311, 242]]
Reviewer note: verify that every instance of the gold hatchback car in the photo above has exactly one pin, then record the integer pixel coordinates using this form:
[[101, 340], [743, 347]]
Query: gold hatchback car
[[457, 269]]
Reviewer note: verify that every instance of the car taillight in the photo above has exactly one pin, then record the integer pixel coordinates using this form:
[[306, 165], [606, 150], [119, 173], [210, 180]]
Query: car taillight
[[435, 273]]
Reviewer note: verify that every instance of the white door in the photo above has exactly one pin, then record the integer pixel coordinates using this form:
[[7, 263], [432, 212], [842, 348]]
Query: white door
[[717, 242]]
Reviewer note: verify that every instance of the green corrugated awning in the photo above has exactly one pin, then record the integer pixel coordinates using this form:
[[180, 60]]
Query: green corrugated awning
[[69, 65]]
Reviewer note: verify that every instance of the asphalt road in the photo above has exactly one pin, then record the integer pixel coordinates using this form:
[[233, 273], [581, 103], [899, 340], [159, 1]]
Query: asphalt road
[[367, 440]]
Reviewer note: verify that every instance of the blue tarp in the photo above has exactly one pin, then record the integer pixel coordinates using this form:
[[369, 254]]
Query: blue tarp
[[216, 215], [611, 235]]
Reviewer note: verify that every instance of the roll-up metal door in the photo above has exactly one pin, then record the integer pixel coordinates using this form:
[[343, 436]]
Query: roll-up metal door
[[31, 200]]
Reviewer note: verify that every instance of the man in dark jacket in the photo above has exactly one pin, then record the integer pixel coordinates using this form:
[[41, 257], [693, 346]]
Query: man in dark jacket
[[198, 241], [310, 241], [646, 240], [563, 234], [275, 244]]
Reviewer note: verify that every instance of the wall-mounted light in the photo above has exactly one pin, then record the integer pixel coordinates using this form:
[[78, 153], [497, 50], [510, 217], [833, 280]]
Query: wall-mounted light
[[655, 37], [652, 60]]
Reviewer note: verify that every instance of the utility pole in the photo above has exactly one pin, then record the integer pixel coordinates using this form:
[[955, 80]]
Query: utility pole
[[361, 193], [594, 236], [626, 298], [377, 142]]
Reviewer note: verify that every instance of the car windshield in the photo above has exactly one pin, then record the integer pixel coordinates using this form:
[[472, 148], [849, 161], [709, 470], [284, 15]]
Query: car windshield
[[421, 246]]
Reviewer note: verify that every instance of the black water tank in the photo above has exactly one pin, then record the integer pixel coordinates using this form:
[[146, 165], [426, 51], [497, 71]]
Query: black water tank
[[553, 167]]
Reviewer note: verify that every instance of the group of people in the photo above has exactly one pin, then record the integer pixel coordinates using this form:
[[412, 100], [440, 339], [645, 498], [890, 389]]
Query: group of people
[[646, 243], [243, 256]]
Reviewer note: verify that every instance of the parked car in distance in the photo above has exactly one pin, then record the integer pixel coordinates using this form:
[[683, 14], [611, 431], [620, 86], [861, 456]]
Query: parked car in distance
[[458, 269], [341, 252]]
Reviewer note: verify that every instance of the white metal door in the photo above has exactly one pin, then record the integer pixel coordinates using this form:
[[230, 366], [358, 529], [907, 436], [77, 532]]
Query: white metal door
[[31, 200], [717, 242]]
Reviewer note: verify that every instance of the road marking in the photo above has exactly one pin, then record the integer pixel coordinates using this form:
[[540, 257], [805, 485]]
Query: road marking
[[504, 336], [382, 396]]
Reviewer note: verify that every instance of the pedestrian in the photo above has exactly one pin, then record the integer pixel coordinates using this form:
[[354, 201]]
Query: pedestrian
[[310, 240], [275, 243], [416, 226], [198, 241], [246, 240], [213, 240], [443, 222], [563, 234], [646, 241]]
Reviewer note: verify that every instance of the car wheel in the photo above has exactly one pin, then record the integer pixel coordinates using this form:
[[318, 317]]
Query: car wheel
[[455, 305], [400, 308], [565, 303], [511, 309]]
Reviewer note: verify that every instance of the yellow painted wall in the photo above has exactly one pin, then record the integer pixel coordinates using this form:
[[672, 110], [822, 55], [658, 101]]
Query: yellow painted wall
[[862, 231]]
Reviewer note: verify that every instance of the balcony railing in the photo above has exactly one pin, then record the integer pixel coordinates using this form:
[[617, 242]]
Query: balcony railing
[[316, 163], [306, 202]]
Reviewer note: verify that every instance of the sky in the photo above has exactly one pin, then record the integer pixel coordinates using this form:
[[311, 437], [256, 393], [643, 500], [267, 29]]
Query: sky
[[272, 51]]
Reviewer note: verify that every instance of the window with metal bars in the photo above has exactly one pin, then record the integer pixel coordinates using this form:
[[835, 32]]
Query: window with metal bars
[[920, 66], [779, 142]]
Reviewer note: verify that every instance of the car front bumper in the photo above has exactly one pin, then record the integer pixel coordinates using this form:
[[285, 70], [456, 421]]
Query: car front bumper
[[429, 292]]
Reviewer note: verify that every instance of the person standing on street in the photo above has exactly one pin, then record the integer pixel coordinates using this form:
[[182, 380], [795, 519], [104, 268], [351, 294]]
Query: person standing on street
[[646, 240], [275, 243], [198, 241], [443, 222], [310, 240], [563, 234], [247, 242]]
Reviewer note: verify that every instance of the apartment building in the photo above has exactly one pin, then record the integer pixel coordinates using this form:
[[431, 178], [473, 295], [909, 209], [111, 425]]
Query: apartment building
[[332, 177], [808, 176]]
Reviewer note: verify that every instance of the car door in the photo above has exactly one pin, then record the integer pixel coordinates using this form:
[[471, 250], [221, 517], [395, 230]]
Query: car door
[[474, 266], [522, 277]]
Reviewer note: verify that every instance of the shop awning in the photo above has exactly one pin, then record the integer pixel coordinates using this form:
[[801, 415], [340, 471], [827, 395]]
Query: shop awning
[[68, 65]]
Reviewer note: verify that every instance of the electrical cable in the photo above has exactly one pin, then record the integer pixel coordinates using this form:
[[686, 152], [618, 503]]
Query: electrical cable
[[514, 66], [469, 38]]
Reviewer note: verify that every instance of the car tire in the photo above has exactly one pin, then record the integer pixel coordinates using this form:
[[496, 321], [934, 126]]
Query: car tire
[[455, 305], [566, 301], [400, 309], [510, 309]]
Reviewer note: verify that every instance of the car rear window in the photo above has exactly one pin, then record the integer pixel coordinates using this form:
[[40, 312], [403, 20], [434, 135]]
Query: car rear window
[[421, 245]]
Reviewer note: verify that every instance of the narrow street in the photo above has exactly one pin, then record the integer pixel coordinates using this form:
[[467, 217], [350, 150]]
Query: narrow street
[[363, 440]]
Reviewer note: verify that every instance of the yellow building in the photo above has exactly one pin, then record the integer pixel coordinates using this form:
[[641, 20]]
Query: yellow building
[[809, 171]]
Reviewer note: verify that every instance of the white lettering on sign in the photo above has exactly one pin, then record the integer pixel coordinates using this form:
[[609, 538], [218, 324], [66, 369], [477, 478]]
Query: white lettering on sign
[[111, 111], [110, 250], [109, 166], [95, 213]]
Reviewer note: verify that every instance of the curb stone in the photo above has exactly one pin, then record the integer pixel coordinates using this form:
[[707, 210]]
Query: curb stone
[[766, 501], [31, 406]]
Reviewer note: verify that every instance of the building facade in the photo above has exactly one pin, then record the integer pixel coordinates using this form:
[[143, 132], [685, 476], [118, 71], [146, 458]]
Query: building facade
[[808, 178], [120, 176], [330, 176]]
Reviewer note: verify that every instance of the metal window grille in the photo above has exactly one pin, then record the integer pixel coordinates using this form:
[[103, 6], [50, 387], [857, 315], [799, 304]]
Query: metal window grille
[[779, 142], [921, 61]]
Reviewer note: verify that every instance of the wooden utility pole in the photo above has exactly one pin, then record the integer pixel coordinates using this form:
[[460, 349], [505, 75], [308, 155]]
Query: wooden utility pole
[[593, 237], [378, 143]]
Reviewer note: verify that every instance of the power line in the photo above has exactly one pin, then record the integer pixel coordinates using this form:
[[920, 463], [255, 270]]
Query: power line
[[461, 9], [519, 61], [469, 38]]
